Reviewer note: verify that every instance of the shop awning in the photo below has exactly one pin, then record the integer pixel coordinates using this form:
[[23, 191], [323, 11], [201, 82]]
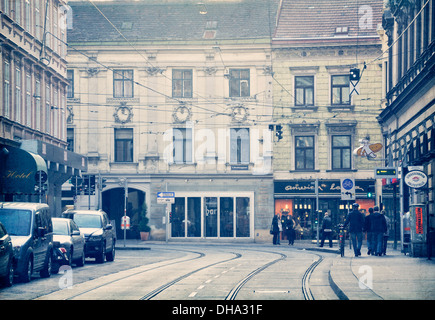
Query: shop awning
[[20, 170]]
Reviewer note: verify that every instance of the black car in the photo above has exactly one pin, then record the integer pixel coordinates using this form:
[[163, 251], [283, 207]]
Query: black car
[[100, 236], [6, 258]]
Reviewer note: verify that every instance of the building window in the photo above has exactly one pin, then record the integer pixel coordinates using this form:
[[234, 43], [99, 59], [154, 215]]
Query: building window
[[340, 90], [70, 92], [47, 108], [27, 19], [182, 140], [28, 99], [70, 139], [341, 152], [182, 83], [18, 102], [239, 146], [37, 97], [304, 153], [239, 83], [304, 90], [7, 87], [124, 145], [123, 83], [37, 24]]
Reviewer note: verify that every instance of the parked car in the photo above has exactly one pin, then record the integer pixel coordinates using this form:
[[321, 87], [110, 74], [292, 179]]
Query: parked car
[[68, 235], [99, 234], [6, 258], [31, 231]]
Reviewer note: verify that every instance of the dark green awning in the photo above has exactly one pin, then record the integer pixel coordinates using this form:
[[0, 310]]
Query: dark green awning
[[19, 170]]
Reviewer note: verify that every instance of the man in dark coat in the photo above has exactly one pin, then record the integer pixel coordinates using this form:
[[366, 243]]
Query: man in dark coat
[[326, 230], [368, 229], [356, 221], [378, 226]]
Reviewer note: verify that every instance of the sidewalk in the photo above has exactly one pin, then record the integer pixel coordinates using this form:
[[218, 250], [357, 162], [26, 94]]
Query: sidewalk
[[391, 277]]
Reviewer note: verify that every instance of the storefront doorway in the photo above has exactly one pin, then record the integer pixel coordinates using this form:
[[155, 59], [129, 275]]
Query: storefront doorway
[[212, 216]]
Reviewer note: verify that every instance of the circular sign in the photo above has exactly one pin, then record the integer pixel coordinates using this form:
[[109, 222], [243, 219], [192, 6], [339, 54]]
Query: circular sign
[[416, 179], [41, 175], [347, 184]]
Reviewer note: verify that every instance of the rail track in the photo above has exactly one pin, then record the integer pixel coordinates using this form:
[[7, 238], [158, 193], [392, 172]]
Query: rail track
[[197, 265]]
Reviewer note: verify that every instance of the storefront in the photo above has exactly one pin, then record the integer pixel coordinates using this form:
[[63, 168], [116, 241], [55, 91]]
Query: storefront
[[212, 215], [298, 198]]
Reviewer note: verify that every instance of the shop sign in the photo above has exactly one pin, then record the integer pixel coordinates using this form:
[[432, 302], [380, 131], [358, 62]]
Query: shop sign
[[416, 179], [419, 220], [326, 187]]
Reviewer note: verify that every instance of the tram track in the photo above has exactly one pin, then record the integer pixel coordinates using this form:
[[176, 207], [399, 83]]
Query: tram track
[[89, 289]]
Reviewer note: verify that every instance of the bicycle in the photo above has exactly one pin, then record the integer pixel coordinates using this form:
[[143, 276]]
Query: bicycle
[[341, 239]]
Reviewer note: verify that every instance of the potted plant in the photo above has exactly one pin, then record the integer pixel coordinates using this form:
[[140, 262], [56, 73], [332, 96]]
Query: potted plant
[[144, 229]]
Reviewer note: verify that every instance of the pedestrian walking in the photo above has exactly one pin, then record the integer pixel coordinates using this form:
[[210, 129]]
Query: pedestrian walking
[[378, 226], [280, 230], [274, 229], [355, 220], [386, 234], [326, 230], [289, 227], [368, 229]]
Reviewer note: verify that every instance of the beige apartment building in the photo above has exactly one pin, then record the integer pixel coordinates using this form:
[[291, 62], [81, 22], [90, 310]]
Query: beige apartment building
[[174, 100], [314, 47]]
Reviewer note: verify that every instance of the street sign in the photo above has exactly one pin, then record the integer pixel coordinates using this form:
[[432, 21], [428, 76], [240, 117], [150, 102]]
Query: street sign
[[165, 194], [385, 173], [347, 186], [41, 175], [165, 197]]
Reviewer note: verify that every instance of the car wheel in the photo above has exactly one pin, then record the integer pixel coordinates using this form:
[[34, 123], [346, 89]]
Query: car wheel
[[26, 275], [46, 272], [81, 261], [110, 256], [8, 279]]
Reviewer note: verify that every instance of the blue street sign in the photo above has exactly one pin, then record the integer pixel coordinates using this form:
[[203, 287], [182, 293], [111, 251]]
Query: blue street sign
[[165, 194]]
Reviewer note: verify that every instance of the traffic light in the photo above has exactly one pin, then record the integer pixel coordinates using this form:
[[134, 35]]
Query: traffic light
[[370, 192], [279, 131], [170, 217], [354, 74]]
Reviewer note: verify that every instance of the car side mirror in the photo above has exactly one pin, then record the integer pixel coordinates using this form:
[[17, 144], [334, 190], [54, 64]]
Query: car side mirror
[[75, 233]]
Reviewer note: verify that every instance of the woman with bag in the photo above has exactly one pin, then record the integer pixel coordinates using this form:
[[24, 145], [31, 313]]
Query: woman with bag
[[274, 229]]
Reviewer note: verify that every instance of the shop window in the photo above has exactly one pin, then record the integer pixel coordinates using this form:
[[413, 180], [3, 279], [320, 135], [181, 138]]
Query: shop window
[[243, 216], [341, 152], [193, 222], [210, 216], [226, 217], [178, 218], [304, 153]]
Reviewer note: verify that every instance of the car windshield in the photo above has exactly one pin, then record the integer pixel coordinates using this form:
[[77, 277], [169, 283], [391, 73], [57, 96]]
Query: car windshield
[[16, 221], [87, 220], [60, 227]]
